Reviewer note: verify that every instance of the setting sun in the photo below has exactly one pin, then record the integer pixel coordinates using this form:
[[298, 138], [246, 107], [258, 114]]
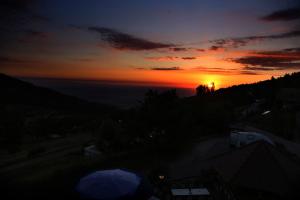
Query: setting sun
[[211, 85]]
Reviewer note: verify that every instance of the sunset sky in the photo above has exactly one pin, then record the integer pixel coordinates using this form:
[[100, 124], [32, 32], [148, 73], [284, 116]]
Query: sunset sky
[[180, 43]]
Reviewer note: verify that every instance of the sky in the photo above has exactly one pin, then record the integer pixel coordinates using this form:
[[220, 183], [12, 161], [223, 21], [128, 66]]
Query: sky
[[151, 42]]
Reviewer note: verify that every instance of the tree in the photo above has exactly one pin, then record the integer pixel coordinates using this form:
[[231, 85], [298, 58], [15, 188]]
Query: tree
[[108, 130], [11, 130], [203, 90]]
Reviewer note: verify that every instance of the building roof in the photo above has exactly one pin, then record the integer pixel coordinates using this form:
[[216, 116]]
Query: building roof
[[258, 166]]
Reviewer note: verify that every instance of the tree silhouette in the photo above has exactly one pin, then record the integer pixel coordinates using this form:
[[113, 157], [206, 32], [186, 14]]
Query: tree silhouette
[[203, 90]]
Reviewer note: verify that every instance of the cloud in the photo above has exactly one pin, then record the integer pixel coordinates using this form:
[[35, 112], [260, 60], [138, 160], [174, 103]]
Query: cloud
[[83, 59], [171, 58], [188, 58], [178, 49], [283, 15], [271, 60], [236, 42], [159, 68], [14, 60], [31, 36], [16, 16], [184, 49], [223, 71], [251, 72], [293, 50], [18, 5], [125, 41], [252, 68], [166, 68], [163, 58], [19, 12], [216, 48], [9, 60], [217, 70], [268, 63], [39, 34], [207, 70], [141, 68]]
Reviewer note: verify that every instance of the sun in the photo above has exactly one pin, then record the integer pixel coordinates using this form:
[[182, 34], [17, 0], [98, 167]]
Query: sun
[[211, 81], [211, 85]]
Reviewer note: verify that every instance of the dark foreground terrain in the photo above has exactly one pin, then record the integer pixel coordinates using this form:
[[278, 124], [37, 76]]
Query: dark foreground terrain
[[43, 135]]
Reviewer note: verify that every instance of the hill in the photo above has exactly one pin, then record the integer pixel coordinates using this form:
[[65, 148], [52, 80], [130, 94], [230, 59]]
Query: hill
[[40, 112], [169, 118], [29, 113], [15, 91]]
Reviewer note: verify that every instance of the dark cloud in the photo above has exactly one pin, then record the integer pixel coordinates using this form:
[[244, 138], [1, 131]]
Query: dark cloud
[[10, 60], [224, 71], [269, 63], [84, 59], [292, 50], [15, 13], [271, 60], [213, 70], [166, 68], [40, 18], [13, 60], [201, 50], [251, 72], [31, 36], [252, 68], [140, 68], [208, 70], [125, 41], [283, 15], [38, 34], [17, 5], [171, 58], [286, 53], [188, 58], [216, 48], [159, 68], [243, 41], [76, 27], [163, 58], [16, 17], [178, 49]]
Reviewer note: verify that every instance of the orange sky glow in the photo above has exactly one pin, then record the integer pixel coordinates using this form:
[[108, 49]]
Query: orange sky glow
[[191, 73], [160, 43]]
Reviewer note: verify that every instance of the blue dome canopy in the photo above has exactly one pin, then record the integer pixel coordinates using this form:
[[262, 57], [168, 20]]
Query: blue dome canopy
[[113, 184]]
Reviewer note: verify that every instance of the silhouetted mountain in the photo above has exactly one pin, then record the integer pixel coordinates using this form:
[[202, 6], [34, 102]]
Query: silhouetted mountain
[[263, 89], [15, 91]]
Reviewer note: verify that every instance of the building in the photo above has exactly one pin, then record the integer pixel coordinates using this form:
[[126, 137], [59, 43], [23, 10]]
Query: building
[[257, 170]]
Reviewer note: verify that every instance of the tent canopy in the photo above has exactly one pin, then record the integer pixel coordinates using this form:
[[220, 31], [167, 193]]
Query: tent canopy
[[111, 185]]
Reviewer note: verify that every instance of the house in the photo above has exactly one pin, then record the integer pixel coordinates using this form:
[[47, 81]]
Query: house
[[256, 170]]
